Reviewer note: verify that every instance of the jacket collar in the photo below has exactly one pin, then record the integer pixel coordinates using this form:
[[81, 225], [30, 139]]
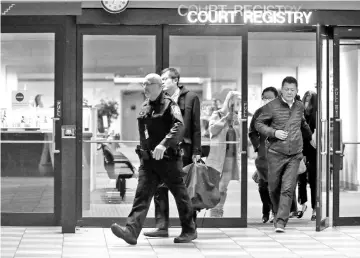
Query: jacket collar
[[159, 99], [282, 101], [183, 90]]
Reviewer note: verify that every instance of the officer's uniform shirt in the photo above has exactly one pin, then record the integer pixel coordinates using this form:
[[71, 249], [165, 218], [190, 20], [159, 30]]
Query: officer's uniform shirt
[[160, 121]]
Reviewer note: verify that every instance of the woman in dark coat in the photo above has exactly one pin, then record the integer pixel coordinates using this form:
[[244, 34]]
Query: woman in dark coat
[[309, 151]]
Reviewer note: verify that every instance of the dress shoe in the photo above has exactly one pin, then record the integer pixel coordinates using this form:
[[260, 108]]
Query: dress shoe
[[265, 218], [123, 233], [157, 233], [313, 216], [301, 213], [185, 237]]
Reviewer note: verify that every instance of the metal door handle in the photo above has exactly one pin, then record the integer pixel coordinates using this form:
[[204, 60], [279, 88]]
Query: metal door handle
[[340, 152], [243, 120], [322, 145], [55, 151]]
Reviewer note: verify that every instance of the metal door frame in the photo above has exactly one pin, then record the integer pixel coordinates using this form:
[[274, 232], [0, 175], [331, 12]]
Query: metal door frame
[[219, 30], [25, 24], [162, 33], [340, 33], [322, 220], [151, 30]]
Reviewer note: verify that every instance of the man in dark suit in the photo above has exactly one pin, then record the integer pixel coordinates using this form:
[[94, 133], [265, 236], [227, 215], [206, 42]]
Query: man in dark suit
[[189, 104]]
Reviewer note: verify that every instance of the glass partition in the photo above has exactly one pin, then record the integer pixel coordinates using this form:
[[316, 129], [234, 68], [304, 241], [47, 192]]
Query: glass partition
[[26, 105], [113, 69], [211, 66], [349, 174]]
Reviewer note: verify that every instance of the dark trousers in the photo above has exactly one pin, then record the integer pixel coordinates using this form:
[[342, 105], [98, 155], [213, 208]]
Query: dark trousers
[[293, 203], [304, 178], [282, 182], [261, 164], [161, 198], [265, 197], [151, 173]]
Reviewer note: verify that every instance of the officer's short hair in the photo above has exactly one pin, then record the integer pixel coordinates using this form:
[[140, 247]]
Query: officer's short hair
[[152, 78], [173, 73]]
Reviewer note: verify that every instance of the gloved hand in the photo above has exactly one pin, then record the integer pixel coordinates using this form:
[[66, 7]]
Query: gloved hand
[[158, 152]]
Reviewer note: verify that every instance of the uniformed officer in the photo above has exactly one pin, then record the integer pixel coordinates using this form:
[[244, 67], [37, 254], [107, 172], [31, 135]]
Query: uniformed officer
[[161, 129]]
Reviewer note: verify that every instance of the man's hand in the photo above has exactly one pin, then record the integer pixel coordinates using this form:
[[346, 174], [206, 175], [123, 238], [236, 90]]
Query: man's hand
[[158, 152], [281, 135], [195, 158]]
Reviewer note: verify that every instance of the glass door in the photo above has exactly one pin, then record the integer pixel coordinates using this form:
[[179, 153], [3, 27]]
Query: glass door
[[322, 130], [212, 61], [113, 62], [30, 156], [346, 157]]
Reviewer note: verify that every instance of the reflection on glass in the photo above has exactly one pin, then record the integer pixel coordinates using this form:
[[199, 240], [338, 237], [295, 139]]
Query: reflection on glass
[[112, 96], [350, 173], [224, 155], [209, 67], [26, 104]]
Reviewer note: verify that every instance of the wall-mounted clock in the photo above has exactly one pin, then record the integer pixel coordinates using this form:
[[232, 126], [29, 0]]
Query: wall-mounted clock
[[114, 6]]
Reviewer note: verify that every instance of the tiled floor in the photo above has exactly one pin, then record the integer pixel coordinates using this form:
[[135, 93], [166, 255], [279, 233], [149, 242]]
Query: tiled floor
[[36, 194], [222, 242]]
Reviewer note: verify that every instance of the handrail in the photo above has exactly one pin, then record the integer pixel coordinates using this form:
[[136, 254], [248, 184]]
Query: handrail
[[26, 141], [137, 142], [351, 142]]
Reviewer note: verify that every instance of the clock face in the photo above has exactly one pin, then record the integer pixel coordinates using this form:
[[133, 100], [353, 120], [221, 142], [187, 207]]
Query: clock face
[[114, 6]]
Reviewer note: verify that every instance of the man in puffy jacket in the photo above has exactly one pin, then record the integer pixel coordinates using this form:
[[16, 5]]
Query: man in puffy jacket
[[282, 121]]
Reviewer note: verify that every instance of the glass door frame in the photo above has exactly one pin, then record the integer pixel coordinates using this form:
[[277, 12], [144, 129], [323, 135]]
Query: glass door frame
[[17, 24], [221, 30], [322, 74], [109, 30], [340, 33]]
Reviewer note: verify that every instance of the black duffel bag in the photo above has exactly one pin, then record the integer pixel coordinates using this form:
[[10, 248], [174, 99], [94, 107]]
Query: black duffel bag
[[202, 183]]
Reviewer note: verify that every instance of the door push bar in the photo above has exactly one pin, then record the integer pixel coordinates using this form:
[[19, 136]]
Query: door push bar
[[55, 151], [340, 152]]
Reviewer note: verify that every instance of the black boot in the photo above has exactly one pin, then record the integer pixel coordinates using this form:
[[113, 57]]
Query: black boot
[[157, 233], [123, 233], [265, 218], [195, 217], [185, 237]]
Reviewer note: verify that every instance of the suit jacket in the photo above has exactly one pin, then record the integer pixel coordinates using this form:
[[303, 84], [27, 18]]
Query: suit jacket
[[189, 104]]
